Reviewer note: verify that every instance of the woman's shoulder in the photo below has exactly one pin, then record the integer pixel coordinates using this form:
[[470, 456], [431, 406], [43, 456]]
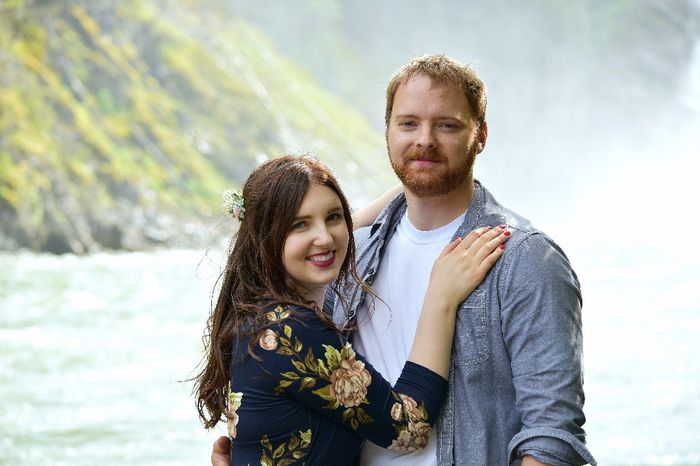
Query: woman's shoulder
[[296, 327], [295, 316], [277, 320], [298, 317], [277, 312]]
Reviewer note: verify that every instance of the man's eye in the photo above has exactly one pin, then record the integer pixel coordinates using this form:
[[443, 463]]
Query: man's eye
[[448, 125], [407, 124]]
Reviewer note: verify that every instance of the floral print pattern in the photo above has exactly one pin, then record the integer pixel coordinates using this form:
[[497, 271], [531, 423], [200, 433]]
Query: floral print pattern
[[349, 382], [288, 453], [268, 340], [234, 402], [413, 431], [346, 379], [277, 314], [305, 361]]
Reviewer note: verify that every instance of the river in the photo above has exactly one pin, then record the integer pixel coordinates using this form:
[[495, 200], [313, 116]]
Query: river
[[93, 349]]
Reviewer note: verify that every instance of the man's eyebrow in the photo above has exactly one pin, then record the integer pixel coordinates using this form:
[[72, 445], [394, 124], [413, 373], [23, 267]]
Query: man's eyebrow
[[439, 117]]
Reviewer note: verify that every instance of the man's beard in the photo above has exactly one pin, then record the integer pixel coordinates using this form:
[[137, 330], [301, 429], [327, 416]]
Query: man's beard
[[434, 181]]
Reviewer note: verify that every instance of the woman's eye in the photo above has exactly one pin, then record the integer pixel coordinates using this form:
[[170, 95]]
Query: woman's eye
[[298, 225], [335, 217]]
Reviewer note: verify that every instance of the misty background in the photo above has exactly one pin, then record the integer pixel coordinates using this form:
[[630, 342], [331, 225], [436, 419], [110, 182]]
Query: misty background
[[122, 122]]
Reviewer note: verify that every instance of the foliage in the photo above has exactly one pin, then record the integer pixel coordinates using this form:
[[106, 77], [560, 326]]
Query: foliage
[[116, 114]]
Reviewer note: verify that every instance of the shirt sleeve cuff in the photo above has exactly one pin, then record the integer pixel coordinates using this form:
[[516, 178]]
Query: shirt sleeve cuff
[[421, 383], [417, 376], [551, 446]]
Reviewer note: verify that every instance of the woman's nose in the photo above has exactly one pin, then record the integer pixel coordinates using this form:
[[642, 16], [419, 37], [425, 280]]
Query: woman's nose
[[323, 236]]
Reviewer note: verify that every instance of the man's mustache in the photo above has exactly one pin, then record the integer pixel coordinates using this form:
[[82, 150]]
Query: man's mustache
[[431, 156]]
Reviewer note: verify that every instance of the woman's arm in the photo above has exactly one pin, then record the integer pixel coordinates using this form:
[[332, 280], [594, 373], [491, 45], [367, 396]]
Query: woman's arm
[[368, 214], [312, 363]]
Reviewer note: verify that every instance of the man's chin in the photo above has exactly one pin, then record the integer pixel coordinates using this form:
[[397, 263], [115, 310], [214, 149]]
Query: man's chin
[[419, 181], [421, 186], [423, 189], [426, 192]]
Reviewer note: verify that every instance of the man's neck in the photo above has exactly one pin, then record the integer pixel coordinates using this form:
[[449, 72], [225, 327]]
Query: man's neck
[[430, 213]]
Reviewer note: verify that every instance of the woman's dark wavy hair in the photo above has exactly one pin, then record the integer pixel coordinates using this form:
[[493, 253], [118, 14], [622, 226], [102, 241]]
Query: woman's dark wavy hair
[[255, 275]]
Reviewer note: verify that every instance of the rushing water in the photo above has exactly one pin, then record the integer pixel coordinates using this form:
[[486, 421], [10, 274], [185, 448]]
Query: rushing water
[[92, 350]]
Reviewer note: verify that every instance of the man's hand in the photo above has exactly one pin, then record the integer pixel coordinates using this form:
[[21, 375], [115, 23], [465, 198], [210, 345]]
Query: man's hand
[[221, 452]]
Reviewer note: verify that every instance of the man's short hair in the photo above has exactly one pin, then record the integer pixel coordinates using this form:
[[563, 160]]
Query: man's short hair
[[443, 70]]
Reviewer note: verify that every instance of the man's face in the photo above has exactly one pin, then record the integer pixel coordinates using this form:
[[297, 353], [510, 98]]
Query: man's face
[[432, 137]]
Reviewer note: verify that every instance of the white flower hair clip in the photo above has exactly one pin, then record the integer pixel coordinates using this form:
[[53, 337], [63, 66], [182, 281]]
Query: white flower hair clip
[[233, 204]]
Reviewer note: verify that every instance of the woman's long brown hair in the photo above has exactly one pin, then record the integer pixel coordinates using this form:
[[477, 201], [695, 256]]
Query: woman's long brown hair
[[255, 276]]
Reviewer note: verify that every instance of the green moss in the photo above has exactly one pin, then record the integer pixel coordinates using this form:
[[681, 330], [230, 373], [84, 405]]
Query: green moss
[[111, 104], [14, 4]]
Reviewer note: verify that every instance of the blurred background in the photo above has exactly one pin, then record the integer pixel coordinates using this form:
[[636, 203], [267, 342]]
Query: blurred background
[[121, 123]]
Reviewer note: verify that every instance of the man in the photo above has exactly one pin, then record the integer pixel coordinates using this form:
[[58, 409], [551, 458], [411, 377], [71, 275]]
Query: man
[[515, 393]]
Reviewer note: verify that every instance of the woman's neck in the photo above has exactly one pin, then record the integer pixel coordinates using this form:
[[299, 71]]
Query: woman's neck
[[316, 295]]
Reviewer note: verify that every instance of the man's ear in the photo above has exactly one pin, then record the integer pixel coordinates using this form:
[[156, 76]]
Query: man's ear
[[483, 135]]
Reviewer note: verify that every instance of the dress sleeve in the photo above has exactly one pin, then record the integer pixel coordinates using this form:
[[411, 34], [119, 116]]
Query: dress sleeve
[[541, 321], [315, 365]]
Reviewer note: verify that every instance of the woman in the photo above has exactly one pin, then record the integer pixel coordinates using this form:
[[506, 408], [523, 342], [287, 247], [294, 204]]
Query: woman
[[292, 388]]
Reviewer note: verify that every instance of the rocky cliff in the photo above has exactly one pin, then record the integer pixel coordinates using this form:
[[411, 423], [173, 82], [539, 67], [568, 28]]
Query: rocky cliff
[[122, 122]]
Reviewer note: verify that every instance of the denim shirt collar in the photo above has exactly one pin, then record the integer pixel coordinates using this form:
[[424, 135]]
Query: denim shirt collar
[[389, 217]]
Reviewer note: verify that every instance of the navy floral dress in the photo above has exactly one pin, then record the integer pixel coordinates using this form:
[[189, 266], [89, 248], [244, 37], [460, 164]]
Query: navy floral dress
[[311, 399]]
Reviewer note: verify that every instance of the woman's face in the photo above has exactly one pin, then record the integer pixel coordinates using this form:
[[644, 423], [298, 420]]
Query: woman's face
[[317, 242]]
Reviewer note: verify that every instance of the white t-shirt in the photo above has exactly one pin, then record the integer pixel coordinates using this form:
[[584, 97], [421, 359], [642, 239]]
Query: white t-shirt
[[385, 338]]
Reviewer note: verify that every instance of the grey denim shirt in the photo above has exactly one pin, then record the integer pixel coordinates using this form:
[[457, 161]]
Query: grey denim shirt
[[516, 381]]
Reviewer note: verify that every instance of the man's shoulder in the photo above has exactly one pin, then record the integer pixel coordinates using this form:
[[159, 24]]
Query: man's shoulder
[[492, 212]]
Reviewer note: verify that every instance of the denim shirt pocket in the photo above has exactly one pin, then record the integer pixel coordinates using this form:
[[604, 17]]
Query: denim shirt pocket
[[471, 343]]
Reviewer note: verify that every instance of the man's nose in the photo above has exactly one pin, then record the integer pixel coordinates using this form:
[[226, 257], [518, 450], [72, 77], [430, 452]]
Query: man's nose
[[426, 138]]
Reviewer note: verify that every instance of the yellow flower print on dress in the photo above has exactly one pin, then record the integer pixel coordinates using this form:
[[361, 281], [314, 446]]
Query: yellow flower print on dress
[[234, 402], [412, 432], [278, 313], [349, 380], [346, 378], [285, 454]]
